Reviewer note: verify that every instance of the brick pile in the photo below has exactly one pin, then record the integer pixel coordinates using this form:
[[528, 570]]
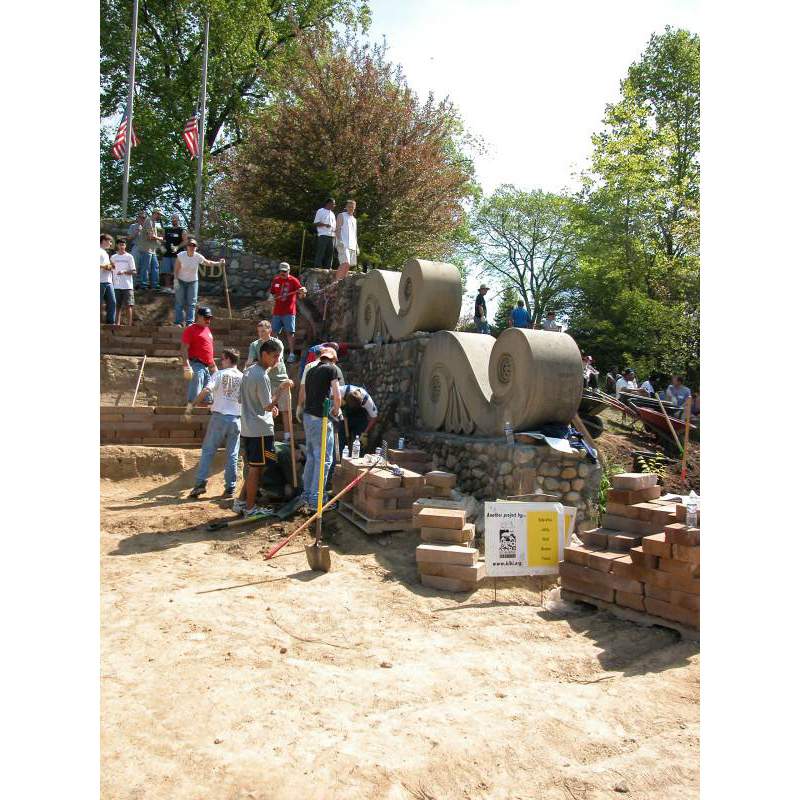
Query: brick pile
[[153, 425], [446, 558], [413, 459]]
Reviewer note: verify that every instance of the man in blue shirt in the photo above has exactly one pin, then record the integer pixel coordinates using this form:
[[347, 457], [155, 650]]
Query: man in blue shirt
[[519, 317], [677, 393]]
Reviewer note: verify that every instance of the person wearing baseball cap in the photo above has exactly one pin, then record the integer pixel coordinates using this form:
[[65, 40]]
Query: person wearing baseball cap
[[627, 382], [187, 281], [197, 354], [285, 288], [480, 310], [359, 414]]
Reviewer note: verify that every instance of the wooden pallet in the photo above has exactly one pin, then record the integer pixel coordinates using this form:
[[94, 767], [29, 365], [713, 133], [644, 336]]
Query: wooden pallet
[[360, 520], [631, 614]]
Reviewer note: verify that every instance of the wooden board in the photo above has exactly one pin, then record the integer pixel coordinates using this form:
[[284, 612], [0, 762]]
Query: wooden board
[[352, 514]]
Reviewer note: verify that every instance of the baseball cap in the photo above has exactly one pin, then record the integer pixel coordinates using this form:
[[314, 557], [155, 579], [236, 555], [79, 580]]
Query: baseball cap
[[283, 267], [193, 241], [204, 311], [328, 352]]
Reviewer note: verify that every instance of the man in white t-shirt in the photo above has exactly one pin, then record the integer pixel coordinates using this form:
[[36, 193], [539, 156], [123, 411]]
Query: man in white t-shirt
[[225, 424], [187, 264], [346, 239], [628, 383], [124, 270], [107, 281], [325, 223]]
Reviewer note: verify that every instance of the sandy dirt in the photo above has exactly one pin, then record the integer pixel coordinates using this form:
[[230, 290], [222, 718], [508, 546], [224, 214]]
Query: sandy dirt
[[224, 676]]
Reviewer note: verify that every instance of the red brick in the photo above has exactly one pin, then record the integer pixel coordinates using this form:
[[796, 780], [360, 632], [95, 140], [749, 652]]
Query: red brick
[[681, 552], [471, 573], [445, 480], [624, 567], [656, 545], [447, 584], [411, 479], [657, 592], [629, 600], [679, 567], [601, 560], [589, 589], [680, 514], [584, 574], [678, 533], [634, 480], [578, 554], [630, 496], [405, 456], [441, 518], [666, 580], [462, 537], [684, 600], [622, 542], [597, 537], [646, 512], [383, 479], [446, 554], [421, 505], [628, 585], [617, 523], [675, 613]]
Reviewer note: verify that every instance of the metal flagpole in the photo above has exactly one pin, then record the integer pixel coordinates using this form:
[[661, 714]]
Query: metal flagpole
[[129, 126], [201, 133]]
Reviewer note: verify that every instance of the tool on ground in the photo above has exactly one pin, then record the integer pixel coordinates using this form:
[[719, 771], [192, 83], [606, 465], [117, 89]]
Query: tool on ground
[[227, 296], [280, 545], [291, 442], [317, 554], [688, 411], [578, 423], [284, 512], [669, 422], [138, 380]]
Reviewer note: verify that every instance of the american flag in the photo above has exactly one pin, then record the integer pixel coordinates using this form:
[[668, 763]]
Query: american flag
[[190, 135], [118, 150]]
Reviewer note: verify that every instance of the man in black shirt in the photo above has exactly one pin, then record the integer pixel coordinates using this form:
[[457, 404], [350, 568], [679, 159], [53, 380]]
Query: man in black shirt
[[480, 310], [321, 382], [175, 239]]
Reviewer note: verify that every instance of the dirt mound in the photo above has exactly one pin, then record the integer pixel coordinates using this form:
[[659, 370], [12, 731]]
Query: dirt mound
[[119, 462]]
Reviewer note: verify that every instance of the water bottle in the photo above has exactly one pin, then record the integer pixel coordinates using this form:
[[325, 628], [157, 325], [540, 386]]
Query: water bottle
[[378, 454], [401, 443], [357, 448], [691, 510], [509, 432], [346, 453]]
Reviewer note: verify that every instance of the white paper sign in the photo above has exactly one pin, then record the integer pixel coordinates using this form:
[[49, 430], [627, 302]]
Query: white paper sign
[[523, 538]]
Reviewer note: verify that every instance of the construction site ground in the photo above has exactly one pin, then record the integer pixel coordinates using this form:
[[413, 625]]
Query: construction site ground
[[225, 676]]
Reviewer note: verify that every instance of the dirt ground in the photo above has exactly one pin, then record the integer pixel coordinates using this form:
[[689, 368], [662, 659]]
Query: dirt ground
[[224, 676]]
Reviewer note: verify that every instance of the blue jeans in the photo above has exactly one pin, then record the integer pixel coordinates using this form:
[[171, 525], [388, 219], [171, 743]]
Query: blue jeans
[[223, 428], [200, 377], [107, 295], [313, 427], [147, 262], [481, 324], [167, 265], [185, 296]]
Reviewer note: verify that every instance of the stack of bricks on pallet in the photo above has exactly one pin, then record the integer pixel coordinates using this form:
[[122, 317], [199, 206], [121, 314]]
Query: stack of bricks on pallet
[[446, 559], [660, 577], [164, 425], [633, 510]]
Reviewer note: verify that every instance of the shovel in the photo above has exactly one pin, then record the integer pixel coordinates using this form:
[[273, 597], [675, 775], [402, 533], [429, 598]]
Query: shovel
[[318, 554]]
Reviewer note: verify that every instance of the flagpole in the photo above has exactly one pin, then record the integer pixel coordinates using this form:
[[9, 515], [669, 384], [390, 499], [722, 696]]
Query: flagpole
[[129, 125], [201, 135]]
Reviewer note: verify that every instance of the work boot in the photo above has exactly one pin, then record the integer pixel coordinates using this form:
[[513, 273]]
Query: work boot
[[198, 490]]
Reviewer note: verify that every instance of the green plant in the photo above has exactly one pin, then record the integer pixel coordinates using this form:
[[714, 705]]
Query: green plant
[[608, 472], [657, 464]]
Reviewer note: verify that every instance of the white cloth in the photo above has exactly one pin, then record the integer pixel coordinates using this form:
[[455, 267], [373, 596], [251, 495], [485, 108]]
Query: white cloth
[[224, 386], [347, 234], [106, 274], [329, 219], [623, 384], [346, 255], [123, 262], [189, 265]]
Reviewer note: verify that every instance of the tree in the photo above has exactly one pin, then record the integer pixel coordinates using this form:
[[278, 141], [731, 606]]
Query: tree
[[525, 239], [636, 291], [347, 125], [508, 302], [249, 41]]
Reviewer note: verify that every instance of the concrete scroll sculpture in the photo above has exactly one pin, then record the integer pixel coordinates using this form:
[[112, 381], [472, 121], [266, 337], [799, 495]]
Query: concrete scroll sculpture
[[532, 377], [425, 296]]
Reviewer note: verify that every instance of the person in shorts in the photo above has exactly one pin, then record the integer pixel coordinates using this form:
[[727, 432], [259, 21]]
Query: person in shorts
[[277, 375], [258, 429], [124, 270], [346, 239], [285, 288]]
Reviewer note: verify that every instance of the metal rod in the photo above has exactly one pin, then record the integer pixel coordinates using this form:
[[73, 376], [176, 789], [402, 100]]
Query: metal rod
[[129, 125], [201, 134]]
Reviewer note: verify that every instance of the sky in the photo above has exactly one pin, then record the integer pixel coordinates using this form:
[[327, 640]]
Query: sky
[[531, 78]]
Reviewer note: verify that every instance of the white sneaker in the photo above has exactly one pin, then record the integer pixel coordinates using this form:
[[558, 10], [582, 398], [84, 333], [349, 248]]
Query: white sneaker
[[239, 506], [258, 510]]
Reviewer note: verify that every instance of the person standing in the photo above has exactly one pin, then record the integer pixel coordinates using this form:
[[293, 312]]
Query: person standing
[[147, 243], [481, 324], [285, 288], [176, 238], [258, 430], [134, 232], [325, 223], [107, 280], [124, 270], [346, 239], [519, 317], [550, 323], [187, 264], [677, 393], [197, 353], [277, 374], [359, 415], [321, 381], [224, 427]]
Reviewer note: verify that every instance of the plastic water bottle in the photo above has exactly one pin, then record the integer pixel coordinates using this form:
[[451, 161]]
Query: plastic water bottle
[[509, 432], [401, 443], [378, 454], [345, 453], [691, 510], [357, 448]]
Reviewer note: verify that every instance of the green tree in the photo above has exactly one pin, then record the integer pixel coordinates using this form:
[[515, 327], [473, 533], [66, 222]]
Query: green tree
[[635, 296], [249, 42], [347, 125], [525, 239], [508, 302]]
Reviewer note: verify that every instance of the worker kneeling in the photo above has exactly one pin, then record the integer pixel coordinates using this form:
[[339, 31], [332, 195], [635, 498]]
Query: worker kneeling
[[360, 414]]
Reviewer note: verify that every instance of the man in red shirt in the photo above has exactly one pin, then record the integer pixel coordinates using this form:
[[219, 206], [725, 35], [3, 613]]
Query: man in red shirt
[[197, 353], [285, 287]]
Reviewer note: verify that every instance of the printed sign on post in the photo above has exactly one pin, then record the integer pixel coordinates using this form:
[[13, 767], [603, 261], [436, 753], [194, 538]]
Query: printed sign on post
[[524, 538]]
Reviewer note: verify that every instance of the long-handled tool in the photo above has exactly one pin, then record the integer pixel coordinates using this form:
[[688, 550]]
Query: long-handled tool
[[688, 411], [280, 545], [138, 380], [227, 296], [291, 442], [282, 513], [669, 422], [317, 554]]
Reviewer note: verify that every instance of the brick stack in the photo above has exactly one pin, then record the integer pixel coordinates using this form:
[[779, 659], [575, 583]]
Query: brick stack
[[439, 484], [151, 340], [446, 559], [410, 458], [660, 577], [152, 425]]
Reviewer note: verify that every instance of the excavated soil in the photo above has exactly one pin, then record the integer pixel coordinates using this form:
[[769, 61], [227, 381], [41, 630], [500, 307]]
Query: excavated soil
[[228, 677]]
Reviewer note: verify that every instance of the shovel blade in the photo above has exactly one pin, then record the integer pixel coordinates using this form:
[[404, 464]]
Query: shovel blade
[[318, 557]]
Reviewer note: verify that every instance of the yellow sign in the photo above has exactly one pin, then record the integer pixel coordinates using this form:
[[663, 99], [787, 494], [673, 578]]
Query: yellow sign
[[542, 529]]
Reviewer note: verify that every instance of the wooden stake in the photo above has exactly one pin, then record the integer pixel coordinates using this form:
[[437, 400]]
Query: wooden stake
[[138, 380], [227, 296], [688, 408]]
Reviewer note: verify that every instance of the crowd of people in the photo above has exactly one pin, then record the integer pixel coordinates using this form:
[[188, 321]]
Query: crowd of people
[[519, 317], [676, 393]]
